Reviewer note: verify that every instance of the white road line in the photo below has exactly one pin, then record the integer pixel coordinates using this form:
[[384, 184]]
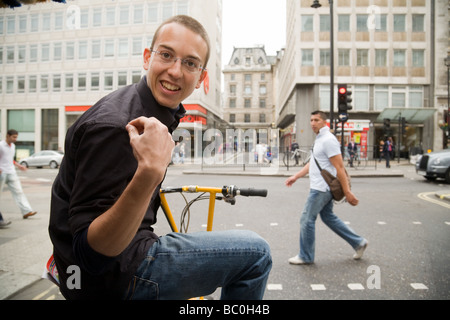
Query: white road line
[[274, 286], [318, 287], [419, 286], [355, 286]]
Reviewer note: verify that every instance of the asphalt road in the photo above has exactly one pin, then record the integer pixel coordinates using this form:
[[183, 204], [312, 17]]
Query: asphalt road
[[407, 227]]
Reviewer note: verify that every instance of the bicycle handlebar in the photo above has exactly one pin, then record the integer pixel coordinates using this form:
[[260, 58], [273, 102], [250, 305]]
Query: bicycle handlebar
[[248, 192], [227, 191]]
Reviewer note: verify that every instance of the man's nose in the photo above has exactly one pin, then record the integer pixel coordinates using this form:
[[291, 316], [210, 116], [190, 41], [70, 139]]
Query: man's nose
[[176, 69]]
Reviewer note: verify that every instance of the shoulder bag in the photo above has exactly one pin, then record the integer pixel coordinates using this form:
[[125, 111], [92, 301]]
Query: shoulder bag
[[333, 182]]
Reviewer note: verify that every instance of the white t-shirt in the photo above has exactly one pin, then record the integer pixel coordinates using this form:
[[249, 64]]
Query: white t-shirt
[[325, 147], [7, 153]]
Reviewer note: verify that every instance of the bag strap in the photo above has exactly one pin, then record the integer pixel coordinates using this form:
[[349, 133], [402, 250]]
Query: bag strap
[[312, 154]]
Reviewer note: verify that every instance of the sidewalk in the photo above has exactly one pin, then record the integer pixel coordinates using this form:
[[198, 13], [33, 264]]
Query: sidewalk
[[25, 245]]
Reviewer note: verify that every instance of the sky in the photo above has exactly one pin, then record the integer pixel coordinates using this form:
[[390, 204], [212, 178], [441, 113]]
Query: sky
[[253, 22]]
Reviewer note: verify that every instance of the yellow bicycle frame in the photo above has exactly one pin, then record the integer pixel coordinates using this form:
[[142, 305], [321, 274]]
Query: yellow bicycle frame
[[192, 189]]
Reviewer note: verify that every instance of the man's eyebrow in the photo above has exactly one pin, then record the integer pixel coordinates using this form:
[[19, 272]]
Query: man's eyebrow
[[166, 47]]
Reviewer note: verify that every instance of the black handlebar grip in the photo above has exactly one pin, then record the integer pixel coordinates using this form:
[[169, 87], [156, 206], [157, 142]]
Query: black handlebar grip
[[250, 192]]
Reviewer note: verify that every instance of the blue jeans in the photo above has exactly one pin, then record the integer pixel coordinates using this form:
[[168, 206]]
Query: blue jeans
[[319, 202], [13, 182], [183, 266]]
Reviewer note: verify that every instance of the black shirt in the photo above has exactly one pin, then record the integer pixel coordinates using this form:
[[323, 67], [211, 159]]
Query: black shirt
[[97, 166]]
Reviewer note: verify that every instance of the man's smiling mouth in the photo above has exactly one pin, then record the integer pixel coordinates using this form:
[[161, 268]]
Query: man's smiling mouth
[[169, 86]]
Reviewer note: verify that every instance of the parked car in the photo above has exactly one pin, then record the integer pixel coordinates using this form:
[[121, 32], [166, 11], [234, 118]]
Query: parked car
[[434, 165], [43, 158]]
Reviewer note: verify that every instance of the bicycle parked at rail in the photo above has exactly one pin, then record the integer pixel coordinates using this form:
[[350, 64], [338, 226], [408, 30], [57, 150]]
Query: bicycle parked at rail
[[296, 157]]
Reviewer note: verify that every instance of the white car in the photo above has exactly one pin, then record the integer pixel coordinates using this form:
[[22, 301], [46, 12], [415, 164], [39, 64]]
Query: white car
[[43, 158]]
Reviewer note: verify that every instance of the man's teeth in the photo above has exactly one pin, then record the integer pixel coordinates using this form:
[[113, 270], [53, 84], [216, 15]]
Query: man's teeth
[[170, 86]]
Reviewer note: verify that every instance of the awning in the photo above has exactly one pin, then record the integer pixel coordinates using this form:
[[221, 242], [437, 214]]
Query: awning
[[411, 115]]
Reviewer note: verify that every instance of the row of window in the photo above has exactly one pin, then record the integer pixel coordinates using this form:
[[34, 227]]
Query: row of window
[[69, 82], [247, 118], [74, 17], [248, 89], [382, 57], [365, 22], [383, 97], [79, 50], [247, 103]]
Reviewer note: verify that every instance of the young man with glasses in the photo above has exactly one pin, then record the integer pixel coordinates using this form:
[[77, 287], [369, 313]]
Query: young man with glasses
[[106, 195]]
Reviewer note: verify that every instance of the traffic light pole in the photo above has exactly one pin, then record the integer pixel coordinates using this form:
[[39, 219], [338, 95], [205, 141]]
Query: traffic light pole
[[331, 65]]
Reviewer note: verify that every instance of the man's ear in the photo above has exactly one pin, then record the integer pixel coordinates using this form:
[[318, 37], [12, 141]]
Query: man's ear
[[201, 79], [147, 55]]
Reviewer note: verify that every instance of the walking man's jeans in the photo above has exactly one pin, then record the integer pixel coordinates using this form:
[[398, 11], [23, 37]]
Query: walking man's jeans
[[182, 266], [319, 202], [13, 182]]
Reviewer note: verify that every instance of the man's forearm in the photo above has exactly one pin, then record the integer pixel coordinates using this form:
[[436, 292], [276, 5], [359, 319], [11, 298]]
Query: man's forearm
[[110, 233]]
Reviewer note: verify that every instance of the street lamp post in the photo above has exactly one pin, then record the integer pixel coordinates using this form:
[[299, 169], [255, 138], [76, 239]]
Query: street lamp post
[[316, 4], [447, 63]]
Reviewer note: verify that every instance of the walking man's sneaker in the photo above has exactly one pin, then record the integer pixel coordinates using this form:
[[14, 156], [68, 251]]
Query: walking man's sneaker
[[360, 250]]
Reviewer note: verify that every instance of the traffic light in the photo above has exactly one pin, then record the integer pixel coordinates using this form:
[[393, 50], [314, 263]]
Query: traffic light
[[344, 98], [403, 125]]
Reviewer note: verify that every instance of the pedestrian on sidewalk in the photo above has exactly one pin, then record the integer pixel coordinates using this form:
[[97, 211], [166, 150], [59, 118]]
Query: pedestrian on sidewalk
[[9, 175], [106, 195], [327, 152]]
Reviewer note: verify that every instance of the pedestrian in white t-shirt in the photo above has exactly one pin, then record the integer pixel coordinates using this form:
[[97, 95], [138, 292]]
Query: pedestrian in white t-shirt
[[9, 175]]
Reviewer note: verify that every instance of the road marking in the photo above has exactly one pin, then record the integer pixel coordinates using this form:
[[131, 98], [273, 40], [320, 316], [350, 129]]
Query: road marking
[[39, 296], [424, 196], [417, 222], [318, 287], [355, 286], [239, 225], [274, 286], [419, 286], [381, 222], [273, 224]]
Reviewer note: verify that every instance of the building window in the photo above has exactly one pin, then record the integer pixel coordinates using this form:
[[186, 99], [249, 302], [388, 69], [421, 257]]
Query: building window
[[418, 57], [247, 103], [123, 47], [138, 14], [95, 81], [20, 84], [232, 118], [33, 57], [416, 97], [32, 84], [307, 23], [361, 100], [9, 84], [361, 22], [381, 22], [418, 23], [152, 13], [344, 22], [324, 23], [399, 58], [57, 51], [362, 57], [232, 89], [45, 52], [232, 103], [247, 89], [122, 79], [21, 52], [70, 51], [110, 16], [82, 82], [96, 49], [82, 50], [247, 118], [44, 83], [399, 23], [10, 55], [97, 17], [124, 15], [307, 57], [56, 83], [109, 48], [108, 81], [262, 117], [262, 103], [381, 98], [380, 57], [69, 82], [248, 78], [344, 57], [324, 57], [262, 90]]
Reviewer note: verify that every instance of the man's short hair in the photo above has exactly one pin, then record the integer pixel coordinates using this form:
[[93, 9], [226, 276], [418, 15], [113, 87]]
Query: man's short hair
[[322, 114], [11, 132], [192, 25]]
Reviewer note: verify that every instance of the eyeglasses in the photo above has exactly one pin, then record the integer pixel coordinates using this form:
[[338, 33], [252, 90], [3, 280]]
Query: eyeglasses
[[190, 65]]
